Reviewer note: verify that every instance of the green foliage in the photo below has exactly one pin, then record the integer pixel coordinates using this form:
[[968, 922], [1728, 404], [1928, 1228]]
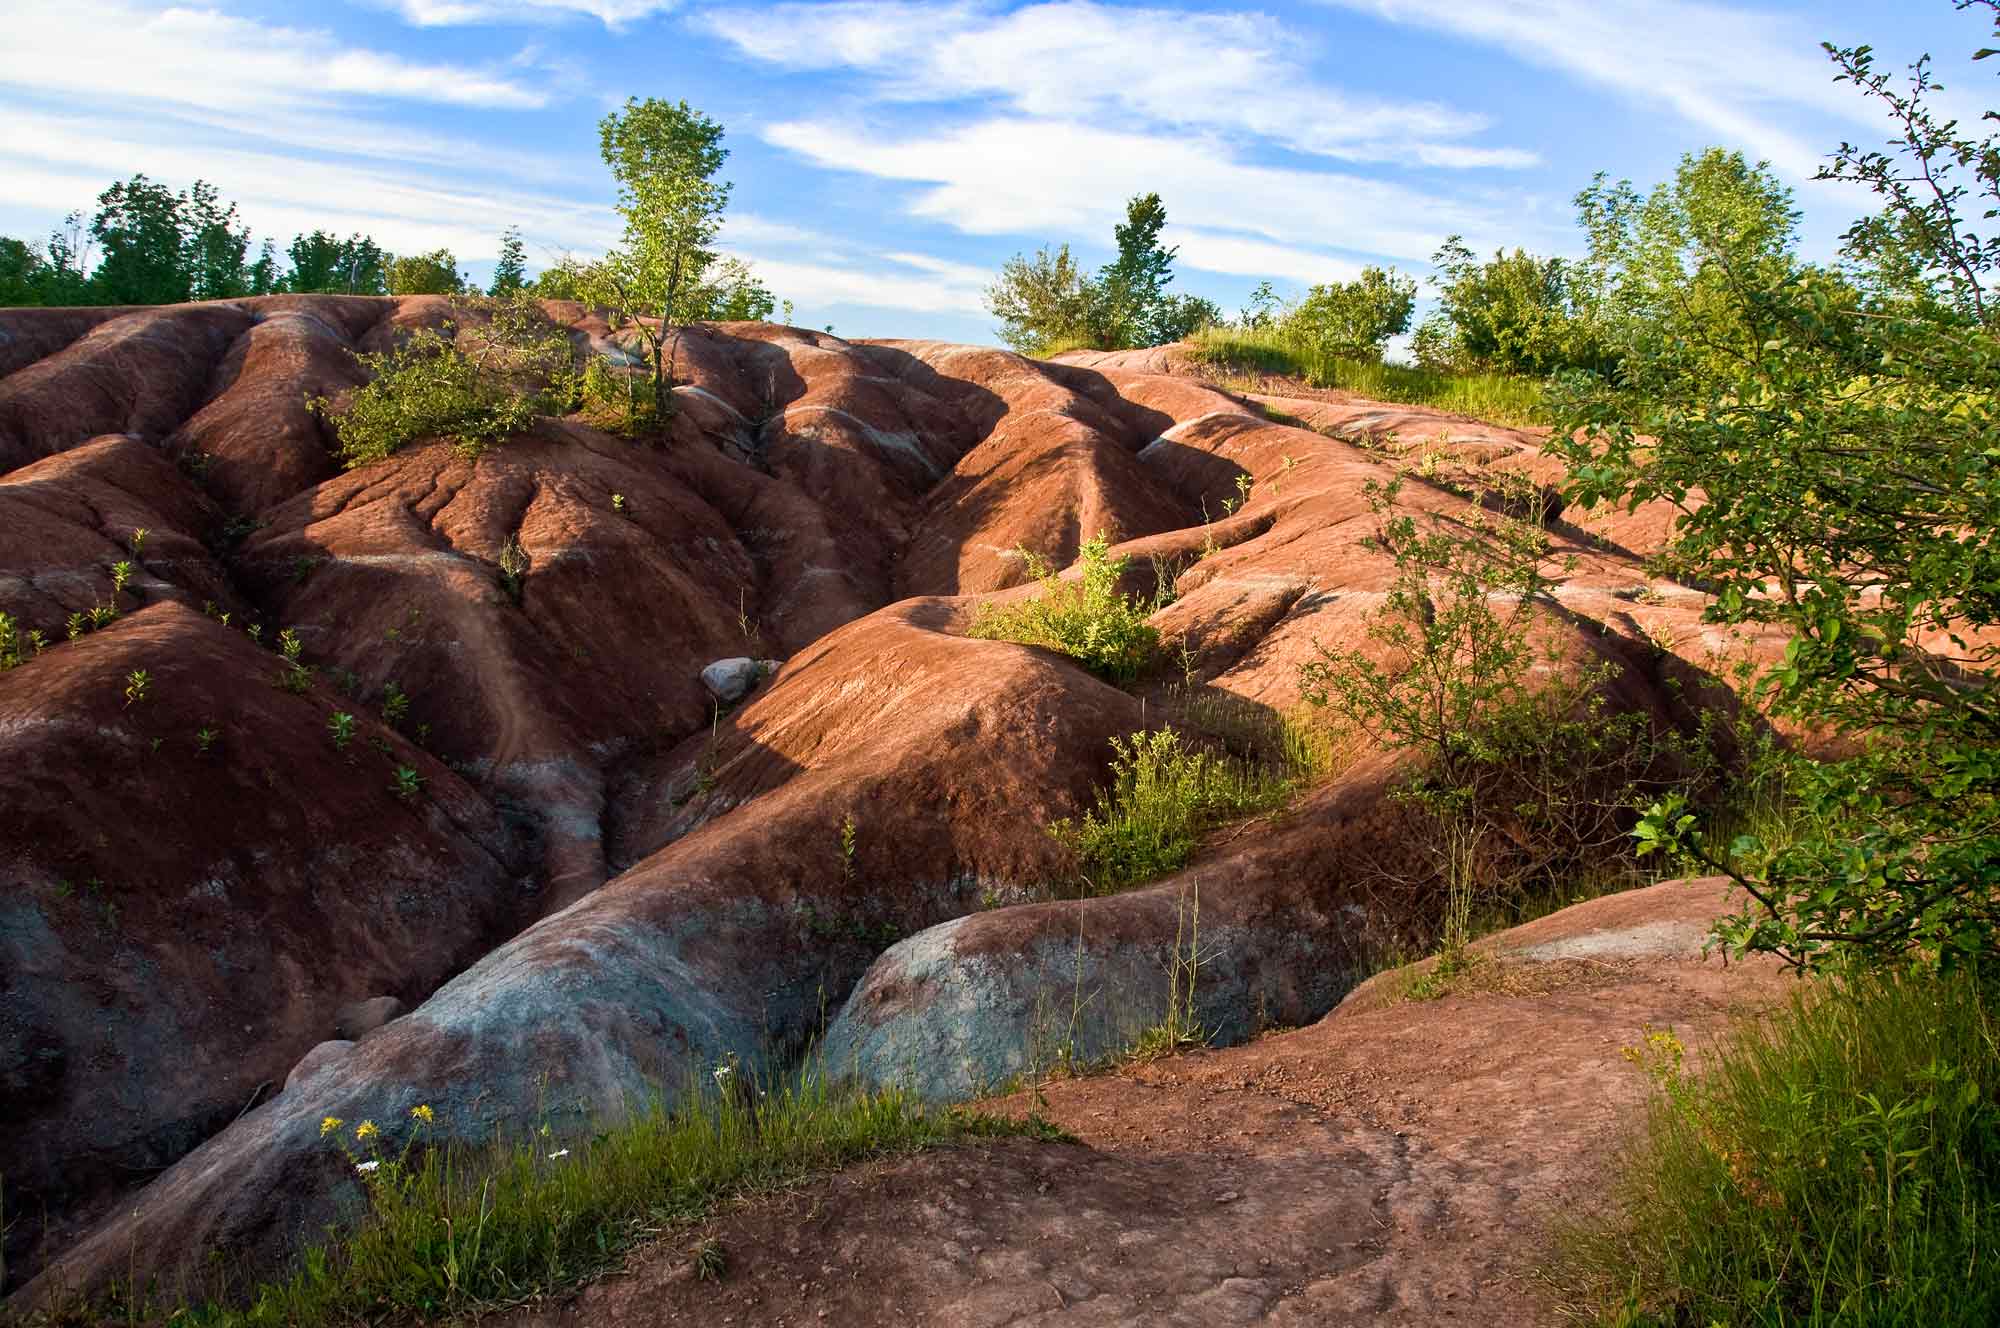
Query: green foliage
[[1514, 314], [505, 365], [323, 262], [1165, 793], [1524, 778], [1085, 617], [453, 1229], [1838, 1162], [1500, 398], [510, 274], [138, 686], [1830, 442], [407, 783], [434, 273], [17, 647], [1354, 319], [1048, 303], [340, 727], [735, 295], [665, 158]]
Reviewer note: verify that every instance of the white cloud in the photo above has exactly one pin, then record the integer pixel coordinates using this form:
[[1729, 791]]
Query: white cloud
[[1238, 74], [613, 14], [1735, 72], [818, 285], [99, 49], [1021, 176], [1213, 252]]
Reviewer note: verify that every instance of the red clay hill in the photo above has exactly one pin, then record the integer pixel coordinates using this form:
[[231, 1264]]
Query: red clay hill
[[536, 836]]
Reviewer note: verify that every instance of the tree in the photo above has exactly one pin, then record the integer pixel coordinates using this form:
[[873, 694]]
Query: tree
[[736, 296], [510, 274], [1353, 319], [1181, 316], [138, 232], [1670, 269], [213, 245], [23, 272], [568, 278], [1830, 439], [664, 158], [324, 263], [1044, 302], [1134, 284], [434, 273], [264, 275]]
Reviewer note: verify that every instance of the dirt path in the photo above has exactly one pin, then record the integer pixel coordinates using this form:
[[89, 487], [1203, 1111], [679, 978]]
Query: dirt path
[[1396, 1163]]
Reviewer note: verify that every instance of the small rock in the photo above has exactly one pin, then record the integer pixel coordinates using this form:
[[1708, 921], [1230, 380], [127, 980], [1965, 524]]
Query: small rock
[[730, 680], [1227, 1196], [353, 1021]]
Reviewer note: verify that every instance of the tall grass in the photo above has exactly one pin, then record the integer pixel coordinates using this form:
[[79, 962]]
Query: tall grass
[[453, 1229], [1499, 398], [1838, 1162]]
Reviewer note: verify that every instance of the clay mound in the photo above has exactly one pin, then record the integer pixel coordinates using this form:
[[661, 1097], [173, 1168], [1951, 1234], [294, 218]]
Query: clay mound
[[196, 880], [546, 609], [66, 520]]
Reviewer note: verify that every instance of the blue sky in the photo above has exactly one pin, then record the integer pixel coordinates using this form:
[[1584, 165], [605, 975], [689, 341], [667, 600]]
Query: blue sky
[[888, 156]]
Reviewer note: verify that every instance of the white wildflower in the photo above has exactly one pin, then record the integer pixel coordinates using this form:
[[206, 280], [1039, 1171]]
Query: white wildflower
[[560, 1152], [365, 1167]]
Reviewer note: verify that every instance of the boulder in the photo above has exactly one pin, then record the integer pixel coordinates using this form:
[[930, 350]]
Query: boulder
[[730, 680], [355, 1021]]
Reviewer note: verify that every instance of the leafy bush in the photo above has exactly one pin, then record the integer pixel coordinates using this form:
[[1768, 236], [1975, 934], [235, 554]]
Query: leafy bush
[[1836, 1163], [1514, 314], [486, 382], [1086, 618], [1830, 439], [17, 647], [1165, 793], [1353, 319]]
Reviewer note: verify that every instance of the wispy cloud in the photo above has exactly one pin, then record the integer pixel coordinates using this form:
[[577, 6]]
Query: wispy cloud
[[1741, 74], [613, 14], [206, 58], [1240, 74], [1031, 176]]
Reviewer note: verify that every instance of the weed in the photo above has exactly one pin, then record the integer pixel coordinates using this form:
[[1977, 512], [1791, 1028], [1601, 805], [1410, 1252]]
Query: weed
[[847, 833], [303, 567], [618, 504], [1180, 1029], [138, 686], [137, 542], [407, 784], [514, 564], [709, 1260], [17, 647], [340, 727], [204, 738], [121, 576], [1086, 618], [395, 705]]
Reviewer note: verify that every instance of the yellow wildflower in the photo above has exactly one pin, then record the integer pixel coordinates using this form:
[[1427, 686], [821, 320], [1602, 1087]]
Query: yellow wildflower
[[329, 1125], [366, 1130], [423, 1113]]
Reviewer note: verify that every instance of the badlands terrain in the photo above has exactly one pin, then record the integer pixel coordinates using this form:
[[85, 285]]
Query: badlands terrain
[[539, 870]]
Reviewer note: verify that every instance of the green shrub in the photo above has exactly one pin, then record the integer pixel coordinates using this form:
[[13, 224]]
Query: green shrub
[[1165, 792], [1086, 618], [1838, 1162], [16, 646], [475, 387]]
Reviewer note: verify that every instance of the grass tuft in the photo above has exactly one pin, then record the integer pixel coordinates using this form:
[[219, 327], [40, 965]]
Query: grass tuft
[[1837, 1162]]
